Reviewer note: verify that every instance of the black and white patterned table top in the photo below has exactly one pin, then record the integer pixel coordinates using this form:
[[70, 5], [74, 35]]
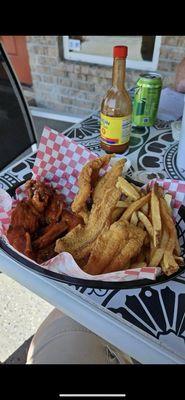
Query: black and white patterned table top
[[158, 310]]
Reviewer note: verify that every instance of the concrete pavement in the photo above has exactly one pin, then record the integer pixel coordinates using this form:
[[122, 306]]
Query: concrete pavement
[[21, 313]]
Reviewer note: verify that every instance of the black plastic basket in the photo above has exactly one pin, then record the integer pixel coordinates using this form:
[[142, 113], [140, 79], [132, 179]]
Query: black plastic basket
[[86, 283]]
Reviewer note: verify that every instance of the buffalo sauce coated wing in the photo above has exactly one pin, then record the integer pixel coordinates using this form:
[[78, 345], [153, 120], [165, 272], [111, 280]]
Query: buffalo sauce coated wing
[[54, 209], [71, 219], [36, 223], [52, 232], [39, 193], [21, 240], [25, 215], [45, 254]]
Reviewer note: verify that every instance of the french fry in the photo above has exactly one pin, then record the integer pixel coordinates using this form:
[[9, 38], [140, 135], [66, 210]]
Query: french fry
[[156, 217], [179, 260], [143, 191], [168, 199], [158, 253], [164, 239], [135, 206], [127, 188], [145, 209], [177, 249], [169, 263], [147, 189], [156, 257], [160, 191], [124, 203], [117, 212], [149, 215], [134, 218], [136, 188], [142, 217], [169, 224]]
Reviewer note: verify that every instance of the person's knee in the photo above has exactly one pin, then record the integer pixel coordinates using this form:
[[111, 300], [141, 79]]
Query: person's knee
[[70, 347], [61, 340]]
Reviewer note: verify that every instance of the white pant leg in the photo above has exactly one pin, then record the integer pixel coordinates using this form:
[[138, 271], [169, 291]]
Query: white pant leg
[[61, 340]]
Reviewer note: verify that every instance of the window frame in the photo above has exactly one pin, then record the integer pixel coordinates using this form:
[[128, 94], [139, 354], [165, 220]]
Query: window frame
[[108, 61]]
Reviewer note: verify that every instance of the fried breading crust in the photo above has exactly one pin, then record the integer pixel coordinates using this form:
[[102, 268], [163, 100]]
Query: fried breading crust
[[87, 181], [114, 248], [134, 242], [100, 216], [108, 180]]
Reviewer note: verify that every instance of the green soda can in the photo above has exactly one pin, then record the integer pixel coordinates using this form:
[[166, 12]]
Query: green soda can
[[146, 99]]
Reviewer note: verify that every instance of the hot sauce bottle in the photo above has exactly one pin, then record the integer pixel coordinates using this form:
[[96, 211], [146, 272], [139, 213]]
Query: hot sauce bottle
[[116, 108]]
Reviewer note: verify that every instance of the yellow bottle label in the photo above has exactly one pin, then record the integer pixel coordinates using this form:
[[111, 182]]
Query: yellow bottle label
[[115, 130]]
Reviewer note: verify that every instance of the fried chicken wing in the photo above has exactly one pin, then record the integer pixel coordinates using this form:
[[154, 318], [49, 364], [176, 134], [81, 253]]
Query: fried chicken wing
[[28, 248], [54, 209], [39, 215], [51, 234], [87, 181], [39, 193], [20, 239], [24, 215], [45, 254], [71, 219]]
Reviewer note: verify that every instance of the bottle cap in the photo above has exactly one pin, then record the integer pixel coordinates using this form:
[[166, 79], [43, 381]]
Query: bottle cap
[[120, 51]]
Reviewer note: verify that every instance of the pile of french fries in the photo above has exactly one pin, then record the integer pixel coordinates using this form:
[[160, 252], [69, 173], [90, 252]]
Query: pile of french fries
[[151, 210]]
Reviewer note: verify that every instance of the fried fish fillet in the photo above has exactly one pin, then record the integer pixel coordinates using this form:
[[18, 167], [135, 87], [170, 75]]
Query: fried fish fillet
[[84, 214], [108, 180], [114, 248], [87, 181], [100, 216], [105, 247], [134, 241]]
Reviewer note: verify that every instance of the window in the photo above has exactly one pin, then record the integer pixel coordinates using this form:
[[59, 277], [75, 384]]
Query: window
[[143, 51]]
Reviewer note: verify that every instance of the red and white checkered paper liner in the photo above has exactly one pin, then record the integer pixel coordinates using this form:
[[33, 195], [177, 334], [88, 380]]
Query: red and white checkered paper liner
[[59, 161]]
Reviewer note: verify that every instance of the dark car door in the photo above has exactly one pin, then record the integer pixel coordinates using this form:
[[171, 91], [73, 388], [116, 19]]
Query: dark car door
[[17, 132]]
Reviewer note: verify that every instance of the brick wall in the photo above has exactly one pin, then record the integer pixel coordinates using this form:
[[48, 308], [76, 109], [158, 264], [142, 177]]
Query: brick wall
[[77, 88]]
